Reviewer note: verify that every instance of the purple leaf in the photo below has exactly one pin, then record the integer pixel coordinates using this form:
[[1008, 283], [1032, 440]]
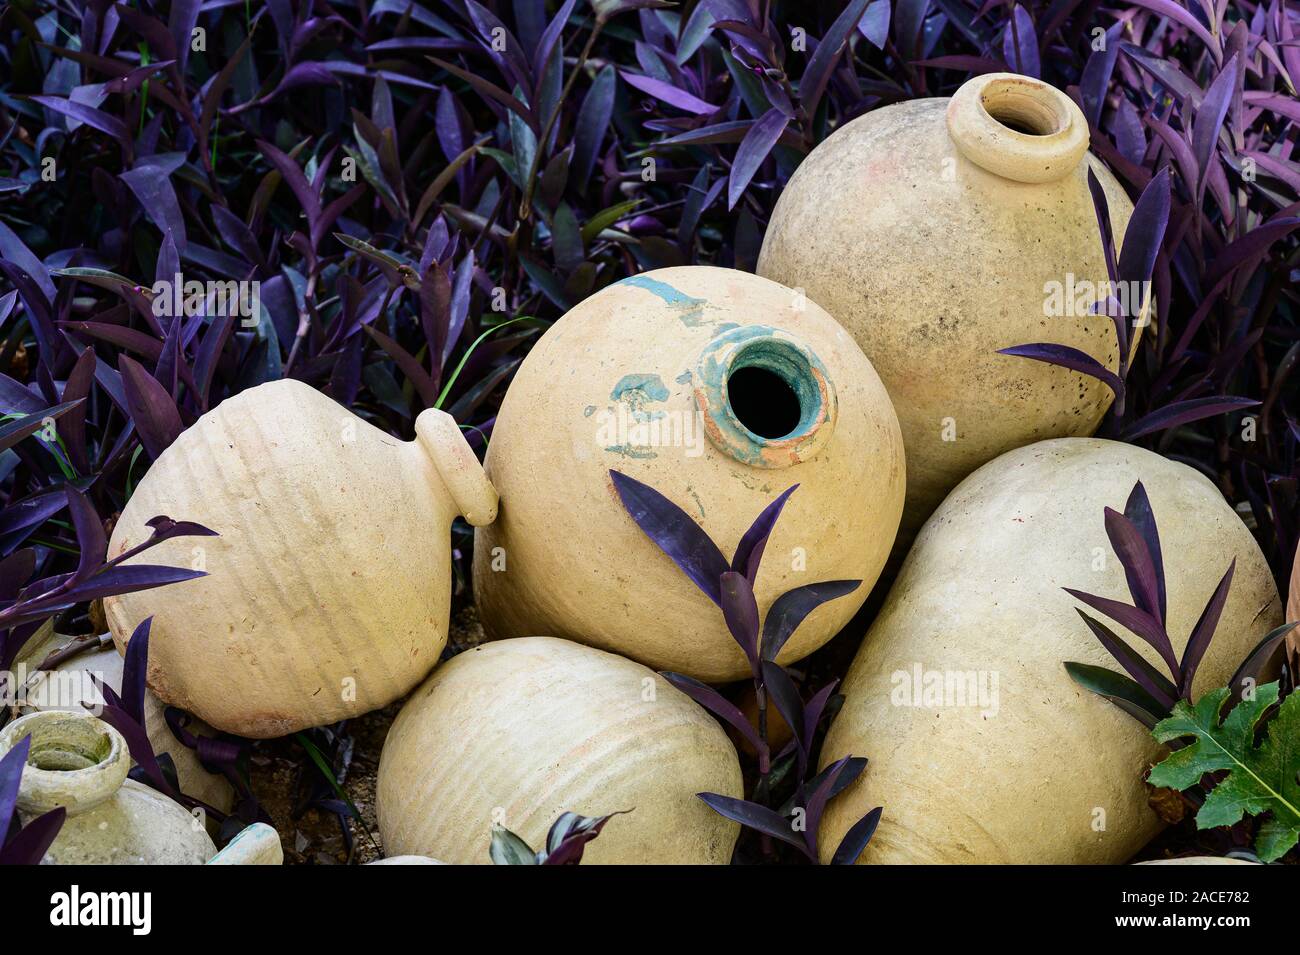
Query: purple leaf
[[94, 118], [1138, 621], [592, 122], [667, 93], [749, 553], [674, 533], [1097, 73], [91, 540], [1138, 510], [11, 774], [1203, 632], [1171, 10], [31, 843], [1185, 412], [134, 667], [740, 610], [717, 704], [1120, 690], [1148, 677], [1209, 119], [822, 63], [857, 838], [785, 695], [1139, 567], [789, 610], [11, 432], [156, 418], [1020, 43], [874, 24], [1067, 357], [1145, 231], [756, 817], [758, 142]]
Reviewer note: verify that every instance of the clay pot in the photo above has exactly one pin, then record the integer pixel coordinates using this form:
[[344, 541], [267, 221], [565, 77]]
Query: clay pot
[[406, 860], [930, 229], [1199, 860], [328, 589], [258, 844], [673, 377], [520, 731], [1032, 768], [106, 664], [80, 763], [1293, 615]]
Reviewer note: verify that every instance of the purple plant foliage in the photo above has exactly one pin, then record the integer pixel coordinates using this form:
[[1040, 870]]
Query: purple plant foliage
[[421, 186], [687, 544], [1146, 693], [24, 845]]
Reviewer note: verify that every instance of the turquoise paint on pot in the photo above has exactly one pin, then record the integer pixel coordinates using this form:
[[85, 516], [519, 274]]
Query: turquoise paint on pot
[[691, 309]]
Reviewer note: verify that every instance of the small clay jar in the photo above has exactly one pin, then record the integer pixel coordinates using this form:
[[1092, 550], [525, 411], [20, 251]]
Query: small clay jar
[[720, 390], [328, 588], [518, 732], [938, 231], [80, 763], [50, 690]]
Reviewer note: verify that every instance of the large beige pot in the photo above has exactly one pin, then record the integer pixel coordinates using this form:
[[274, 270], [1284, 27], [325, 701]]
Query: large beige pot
[[667, 377], [517, 732], [1039, 770], [80, 763], [329, 586], [69, 687], [1293, 615], [931, 230]]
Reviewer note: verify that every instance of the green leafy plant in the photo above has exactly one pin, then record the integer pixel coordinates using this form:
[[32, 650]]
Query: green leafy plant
[[565, 842], [1261, 778]]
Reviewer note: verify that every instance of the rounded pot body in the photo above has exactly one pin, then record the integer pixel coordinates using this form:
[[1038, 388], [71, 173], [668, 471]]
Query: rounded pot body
[[982, 747], [937, 235], [70, 685], [328, 588], [517, 732], [673, 377], [80, 763]]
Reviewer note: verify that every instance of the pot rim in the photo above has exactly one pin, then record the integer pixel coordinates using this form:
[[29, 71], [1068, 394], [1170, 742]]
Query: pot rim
[[784, 355], [1049, 144], [77, 761]]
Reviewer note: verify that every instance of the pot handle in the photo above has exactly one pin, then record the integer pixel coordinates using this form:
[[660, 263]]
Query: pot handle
[[461, 472], [257, 844]]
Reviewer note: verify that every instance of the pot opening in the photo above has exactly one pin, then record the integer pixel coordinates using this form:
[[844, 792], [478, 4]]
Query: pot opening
[[763, 401], [1025, 108], [68, 746]]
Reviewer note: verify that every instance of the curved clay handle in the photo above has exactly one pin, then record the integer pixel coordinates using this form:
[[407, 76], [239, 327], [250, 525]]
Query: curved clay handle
[[465, 479]]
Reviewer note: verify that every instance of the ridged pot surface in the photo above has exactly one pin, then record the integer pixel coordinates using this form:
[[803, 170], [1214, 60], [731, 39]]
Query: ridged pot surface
[[925, 229], [519, 731], [328, 587], [1032, 768], [662, 350]]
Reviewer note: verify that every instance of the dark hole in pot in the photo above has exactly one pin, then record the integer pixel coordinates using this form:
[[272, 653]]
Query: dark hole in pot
[[1010, 122], [763, 401]]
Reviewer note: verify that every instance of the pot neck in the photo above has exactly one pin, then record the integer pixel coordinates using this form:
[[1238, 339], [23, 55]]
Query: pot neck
[[75, 761], [1018, 127], [764, 396]]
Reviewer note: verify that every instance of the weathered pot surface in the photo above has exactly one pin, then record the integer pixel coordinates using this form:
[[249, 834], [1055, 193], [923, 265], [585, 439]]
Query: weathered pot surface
[[982, 747], [69, 686], [519, 731], [80, 763], [673, 377], [328, 589], [932, 230]]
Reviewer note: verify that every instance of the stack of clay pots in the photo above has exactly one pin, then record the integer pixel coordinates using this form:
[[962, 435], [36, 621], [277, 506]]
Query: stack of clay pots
[[905, 252]]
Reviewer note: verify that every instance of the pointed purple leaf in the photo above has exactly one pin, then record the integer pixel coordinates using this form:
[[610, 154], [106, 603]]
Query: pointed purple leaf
[[675, 533], [749, 553], [1203, 632], [789, 610]]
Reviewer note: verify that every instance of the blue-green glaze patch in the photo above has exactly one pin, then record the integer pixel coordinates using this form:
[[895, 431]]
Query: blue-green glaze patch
[[631, 451], [650, 387], [684, 378], [588, 411], [690, 310]]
